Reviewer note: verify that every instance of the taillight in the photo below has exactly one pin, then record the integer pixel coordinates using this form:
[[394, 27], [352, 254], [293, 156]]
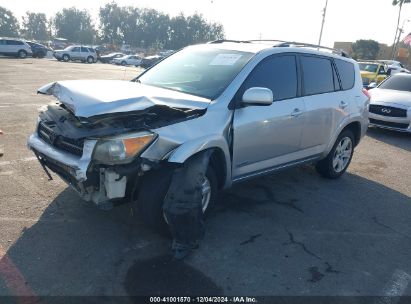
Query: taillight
[[366, 93]]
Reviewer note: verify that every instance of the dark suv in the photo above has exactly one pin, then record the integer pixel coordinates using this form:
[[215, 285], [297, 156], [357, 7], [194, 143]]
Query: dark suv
[[39, 50]]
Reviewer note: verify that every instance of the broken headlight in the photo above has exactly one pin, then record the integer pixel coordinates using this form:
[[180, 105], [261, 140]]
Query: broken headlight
[[121, 149]]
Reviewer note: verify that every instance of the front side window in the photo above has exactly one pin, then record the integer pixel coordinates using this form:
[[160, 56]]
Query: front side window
[[204, 72], [347, 73], [76, 49], [317, 75], [277, 73]]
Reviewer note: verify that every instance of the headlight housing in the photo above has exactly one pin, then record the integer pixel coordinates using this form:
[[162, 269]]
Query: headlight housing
[[121, 149]]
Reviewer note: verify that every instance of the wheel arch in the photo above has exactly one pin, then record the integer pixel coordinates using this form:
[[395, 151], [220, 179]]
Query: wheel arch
[[219, 159]]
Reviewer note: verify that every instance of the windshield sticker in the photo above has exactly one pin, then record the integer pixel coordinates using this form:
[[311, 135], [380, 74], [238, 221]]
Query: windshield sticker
[[225, 59]]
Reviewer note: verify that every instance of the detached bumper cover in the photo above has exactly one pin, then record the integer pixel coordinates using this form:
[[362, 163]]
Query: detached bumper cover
[[78, 165]]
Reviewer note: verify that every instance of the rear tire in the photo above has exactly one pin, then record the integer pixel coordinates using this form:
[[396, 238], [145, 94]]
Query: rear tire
[[339, 158], [90, 59], [150, 199], [123, 63]]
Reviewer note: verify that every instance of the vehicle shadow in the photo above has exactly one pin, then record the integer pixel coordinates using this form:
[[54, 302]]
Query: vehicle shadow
[[398, 139], [76, 249]]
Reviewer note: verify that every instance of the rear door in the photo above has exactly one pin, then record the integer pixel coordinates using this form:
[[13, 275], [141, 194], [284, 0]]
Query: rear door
[[84, 53], [268, 136], [326, 104]]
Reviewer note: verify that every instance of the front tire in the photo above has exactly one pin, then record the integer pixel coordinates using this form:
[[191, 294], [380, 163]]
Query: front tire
[[154, 187], [22, 54], [339, 158], [123, 63], [66, 58]]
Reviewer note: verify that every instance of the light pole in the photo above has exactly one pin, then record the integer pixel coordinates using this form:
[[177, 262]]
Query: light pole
[[399, 31], [322, 23]]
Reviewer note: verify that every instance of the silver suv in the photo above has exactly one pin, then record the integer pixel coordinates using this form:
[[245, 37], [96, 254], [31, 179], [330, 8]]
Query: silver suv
[[254, 107], [15, 47], [76, 52]]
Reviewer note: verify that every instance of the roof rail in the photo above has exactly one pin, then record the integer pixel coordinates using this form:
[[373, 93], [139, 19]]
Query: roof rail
[[283, 43], [226, 40]]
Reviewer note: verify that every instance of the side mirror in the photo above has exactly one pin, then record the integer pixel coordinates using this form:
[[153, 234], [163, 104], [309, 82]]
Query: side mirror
[[372, 85], [258, 96]]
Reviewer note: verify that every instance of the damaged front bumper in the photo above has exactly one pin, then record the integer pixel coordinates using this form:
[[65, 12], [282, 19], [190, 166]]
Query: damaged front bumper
[[100, 185]]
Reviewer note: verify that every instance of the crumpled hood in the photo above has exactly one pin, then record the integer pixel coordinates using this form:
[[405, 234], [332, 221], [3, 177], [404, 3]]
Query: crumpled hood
[[390, 96], [87, 98]]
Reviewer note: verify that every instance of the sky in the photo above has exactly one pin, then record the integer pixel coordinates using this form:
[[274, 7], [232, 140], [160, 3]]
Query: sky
[[291, 20]]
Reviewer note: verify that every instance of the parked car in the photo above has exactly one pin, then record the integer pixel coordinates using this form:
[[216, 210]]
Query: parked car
[[109, 58], [76, 52], [39, 50], [395, 67], [128, 60], [15, 47], [150, 61], [390, 105], [252, 108], [372, 72]]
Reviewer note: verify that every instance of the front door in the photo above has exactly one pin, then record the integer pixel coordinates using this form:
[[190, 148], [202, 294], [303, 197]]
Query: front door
[[268, 136]]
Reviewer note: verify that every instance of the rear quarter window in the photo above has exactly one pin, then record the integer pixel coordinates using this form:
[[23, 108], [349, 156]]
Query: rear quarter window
[[347, 73]]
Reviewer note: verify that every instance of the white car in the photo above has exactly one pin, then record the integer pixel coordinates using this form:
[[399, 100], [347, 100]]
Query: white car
[[128, 60], [76, 52], [390, 105], [15, 47]]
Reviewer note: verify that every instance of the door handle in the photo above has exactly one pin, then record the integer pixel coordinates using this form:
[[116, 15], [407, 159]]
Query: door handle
[[297, 112], [343, 104]]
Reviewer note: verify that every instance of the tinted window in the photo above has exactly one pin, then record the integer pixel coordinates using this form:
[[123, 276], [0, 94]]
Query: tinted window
[[347, 73], [278, 73], [14, 42], [91, 50], [317, 75], [76, 49], [84, 50], [397, 82]]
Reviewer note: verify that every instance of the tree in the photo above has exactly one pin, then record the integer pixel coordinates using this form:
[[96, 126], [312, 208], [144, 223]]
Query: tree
[[398, 3], [9, 26], [35, 26], [365, 49], [74, 25], [111, 19]]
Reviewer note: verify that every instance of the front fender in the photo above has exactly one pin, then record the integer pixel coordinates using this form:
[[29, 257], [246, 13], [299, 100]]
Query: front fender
[[214, 141]]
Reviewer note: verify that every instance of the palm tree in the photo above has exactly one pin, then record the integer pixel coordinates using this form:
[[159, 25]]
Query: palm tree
[[400, 4]]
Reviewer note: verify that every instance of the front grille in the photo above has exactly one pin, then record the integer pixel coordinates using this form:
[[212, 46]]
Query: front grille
[[46, 133], [389, 124], [387, 111]]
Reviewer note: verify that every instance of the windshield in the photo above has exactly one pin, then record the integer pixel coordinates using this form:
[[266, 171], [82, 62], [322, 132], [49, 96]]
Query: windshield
[[397, 82], [368, 67], [69, 48], [201, 72]]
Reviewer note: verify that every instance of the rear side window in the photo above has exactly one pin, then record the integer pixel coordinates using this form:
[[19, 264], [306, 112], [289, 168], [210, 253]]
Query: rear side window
[[277, 73], [317, 75], [14, 42], [347, 73]]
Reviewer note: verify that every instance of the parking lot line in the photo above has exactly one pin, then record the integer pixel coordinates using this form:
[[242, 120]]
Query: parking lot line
[[15, 280], [11, 162]]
